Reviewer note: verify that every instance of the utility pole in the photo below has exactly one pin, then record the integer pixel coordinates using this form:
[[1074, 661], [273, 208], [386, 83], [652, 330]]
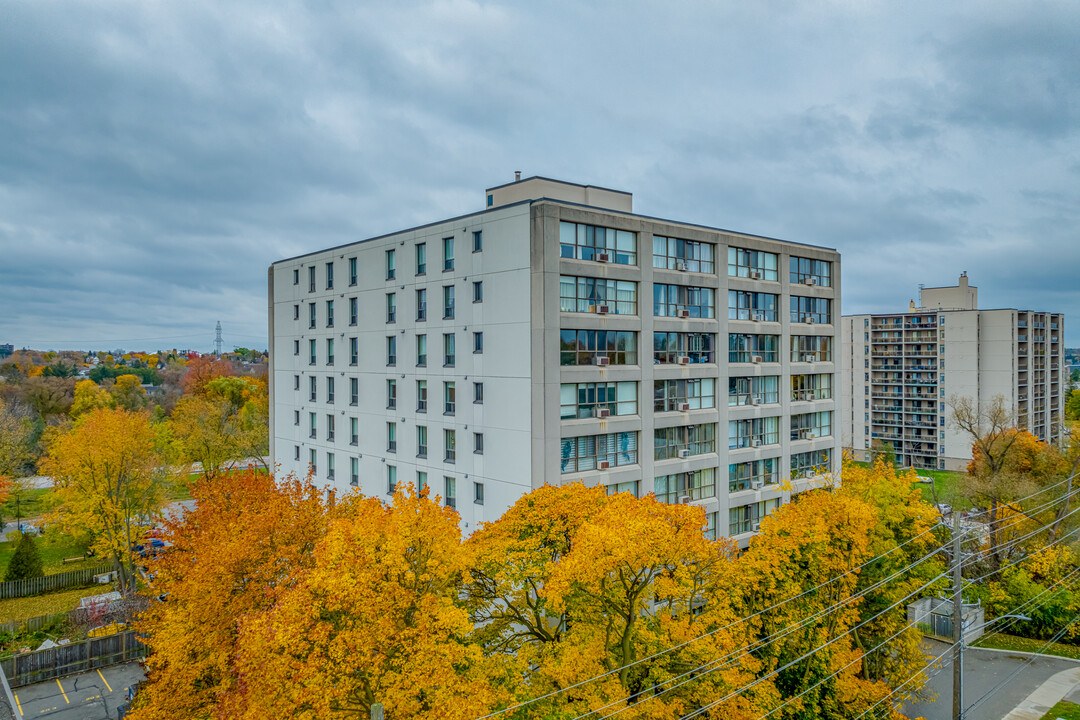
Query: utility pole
[[958, 624]]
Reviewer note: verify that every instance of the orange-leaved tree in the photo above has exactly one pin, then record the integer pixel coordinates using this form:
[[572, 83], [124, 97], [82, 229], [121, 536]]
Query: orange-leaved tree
[[247, 539], [378, 619], [108, 475]]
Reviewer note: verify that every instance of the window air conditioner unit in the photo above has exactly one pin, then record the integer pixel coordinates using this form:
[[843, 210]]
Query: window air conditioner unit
[[757, 484], [601, 412], [755, 527], [603, 309], [683, 407], [804, 435], [603, 465], [810, 280], [684, 313], [684, 453], [755, 275], [684, 500], [684, 360], [755, 401], [756, 359], [753, 443], [810, 320], [680, 265], [758, 317], [602, 361], [603, 257], [809, 358]]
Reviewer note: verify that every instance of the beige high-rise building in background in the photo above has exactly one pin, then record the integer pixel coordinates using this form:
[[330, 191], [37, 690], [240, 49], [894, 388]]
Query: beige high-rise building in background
[[556, 336], [901, 369]]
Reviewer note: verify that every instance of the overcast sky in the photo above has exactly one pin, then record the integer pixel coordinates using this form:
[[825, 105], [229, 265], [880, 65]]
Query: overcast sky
[[156, 157]]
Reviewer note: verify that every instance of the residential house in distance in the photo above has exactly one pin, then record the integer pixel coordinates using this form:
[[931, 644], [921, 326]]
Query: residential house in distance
[[900, 369], [556, 336]]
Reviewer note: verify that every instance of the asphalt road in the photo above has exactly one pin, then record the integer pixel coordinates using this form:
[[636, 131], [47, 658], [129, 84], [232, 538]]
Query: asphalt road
[[91, 696], [983, 669]]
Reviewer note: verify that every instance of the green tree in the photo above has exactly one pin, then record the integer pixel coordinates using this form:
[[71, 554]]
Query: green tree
[[26, 562], [17, 439], [1072, 406]]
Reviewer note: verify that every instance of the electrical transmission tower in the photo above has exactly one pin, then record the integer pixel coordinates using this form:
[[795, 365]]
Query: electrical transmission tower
[[217, 341]]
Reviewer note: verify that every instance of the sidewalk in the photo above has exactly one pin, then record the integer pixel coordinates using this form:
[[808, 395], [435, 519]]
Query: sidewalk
[[1063, 686]]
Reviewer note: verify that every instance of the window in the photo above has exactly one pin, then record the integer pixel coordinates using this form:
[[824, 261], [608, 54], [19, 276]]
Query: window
[[811, 463], [744, 348], [391, 394], [478, 493], [811, 387], [421, 351], [421, 258], [296, 312], [683, 395], [391, 264], [312, 315], [421, 441], [808, 426], [354, 310], [478, 342], [674, 442], [296, 280], [682, 301], [421, 304], [811, 310], [391, 350], [759, 307], [421, 481], [597, 295], [589, 242], [478, 393], [478, 291], [448, 302], [329, 313], [421, 396], [669, 348], [329, 468], [746, 518], [296, 417], [296, 347], [391, 307], [329, 351], [478, 443], [352, 271], [689, 255], [329, 427], [810, 272], [391, 437], [630, 486], [753, 264], [312, 465], [329, 276], [685, 486], [313, 388], [584, 347], [354, 471], [311, 278], [354, 391], [450, 492], [448, 253], [354, 351], [354, 431], [296, 382], [391, 479], [311, 348], [598, 452], [811, 348], [477, 240], [759, 390], [450, 445], [586, 400], [449, 352], [754, 475], [330, 391], [296, 448], [753, 432], [709, 530], [449, 398]]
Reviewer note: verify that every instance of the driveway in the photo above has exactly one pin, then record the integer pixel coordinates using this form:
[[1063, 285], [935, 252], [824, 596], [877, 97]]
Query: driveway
[[983, 669], [91, 696]]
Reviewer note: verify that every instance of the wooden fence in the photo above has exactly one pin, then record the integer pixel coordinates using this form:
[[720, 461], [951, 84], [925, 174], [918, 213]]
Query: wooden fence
[[73, 658], [50, 583], [18, 627]]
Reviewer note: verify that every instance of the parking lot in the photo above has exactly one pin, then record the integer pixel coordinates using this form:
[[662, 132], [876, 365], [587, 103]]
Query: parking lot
[[95, 695]]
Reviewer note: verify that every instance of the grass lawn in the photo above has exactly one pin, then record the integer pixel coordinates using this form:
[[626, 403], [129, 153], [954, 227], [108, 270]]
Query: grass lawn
[[1065, 710], [53, 547], [33, 504], [1002, 641], [58, 602]]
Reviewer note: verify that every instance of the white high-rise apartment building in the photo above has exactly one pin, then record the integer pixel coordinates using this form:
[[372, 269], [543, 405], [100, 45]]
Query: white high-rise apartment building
[[556, 336], [901, 369]]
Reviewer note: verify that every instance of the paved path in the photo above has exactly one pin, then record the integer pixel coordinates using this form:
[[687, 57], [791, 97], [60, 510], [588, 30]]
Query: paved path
[[91, 696], [983, 669]]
